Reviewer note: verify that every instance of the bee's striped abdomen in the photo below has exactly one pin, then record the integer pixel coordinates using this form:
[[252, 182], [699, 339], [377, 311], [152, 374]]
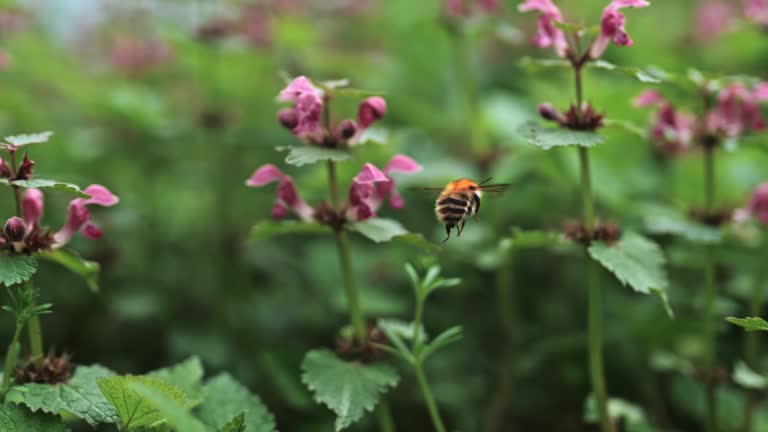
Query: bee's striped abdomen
[[453, 207]]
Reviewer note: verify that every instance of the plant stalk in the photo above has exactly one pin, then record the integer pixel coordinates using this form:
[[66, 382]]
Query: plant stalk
[[434, 413], [10, 359], [383, 412], [752, 345], [710, 293], [594, 292]]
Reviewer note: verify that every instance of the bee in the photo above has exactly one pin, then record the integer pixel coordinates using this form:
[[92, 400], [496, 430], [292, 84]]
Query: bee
[[459, 200]]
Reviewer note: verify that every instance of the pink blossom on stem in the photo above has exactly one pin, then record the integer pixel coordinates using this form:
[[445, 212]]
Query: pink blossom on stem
[[79, 218], [612, 25], [713, 17], [648, 98], [308, 103], [287, 196], [761, 92], [547, 34], [757, 11], [32, 207], [672, 131], [758, 205], [737, 111], [371, 187], [370, 111]]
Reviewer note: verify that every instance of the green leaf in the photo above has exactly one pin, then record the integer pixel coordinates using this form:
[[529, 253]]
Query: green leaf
[[16, 268], [349, 389], [747, 378], [418, 240], [373, 135], [749, 323], [15, 418], [237, 424], [68, 258], [378, 229], [133, 410], [442, 340], [635, 261], [536, 64], [549, 137], [650, 75], [628, 126], [47, 184], [226, 398], [80, 396], [670, 223], [266, 229], [633, 417], [24, 139], [166, 404], [300, 156], [187, 376]]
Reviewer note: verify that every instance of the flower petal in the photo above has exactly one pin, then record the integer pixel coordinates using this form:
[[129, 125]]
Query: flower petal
[[648, 98], [299, 85], [32, 207], [92, 231], [101, 196], [371, 110], [264, 175], [370, 174], [402, 163]]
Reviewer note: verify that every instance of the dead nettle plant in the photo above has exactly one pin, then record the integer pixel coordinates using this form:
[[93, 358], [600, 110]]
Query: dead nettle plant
[[726, 114], [47, 392], [353, 379], [633, 259]]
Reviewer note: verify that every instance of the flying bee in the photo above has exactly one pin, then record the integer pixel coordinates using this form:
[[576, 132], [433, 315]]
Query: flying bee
[[459, 200]]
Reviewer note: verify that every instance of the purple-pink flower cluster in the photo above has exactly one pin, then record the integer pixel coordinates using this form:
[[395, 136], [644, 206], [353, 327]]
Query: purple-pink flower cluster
[[134, 55], [612, 27], [757, 12], [736, 112], [305, 117], [459, 9], [758, 204], [370, 188], [27, 235]]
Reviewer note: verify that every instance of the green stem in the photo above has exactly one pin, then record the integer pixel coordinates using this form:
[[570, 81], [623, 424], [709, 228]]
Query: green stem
[[416, 340], [710, 293], [353, 295], [595, 336], [35, 335], [384, 416], [10, 359], [594, 294], [434, 413], [752, 349]]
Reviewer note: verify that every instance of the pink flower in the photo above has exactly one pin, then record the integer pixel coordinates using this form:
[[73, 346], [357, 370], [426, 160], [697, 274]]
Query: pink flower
[[133, 55], [370, 111], [547, 35], [78, 216], [673, 131], [648, 98], [32, 207], [758, 205], [737, 111], [371, 187], [713, 17], [308, 103], [757, 11], [456, 9], [287, 196], [761, 92], [612, 26]]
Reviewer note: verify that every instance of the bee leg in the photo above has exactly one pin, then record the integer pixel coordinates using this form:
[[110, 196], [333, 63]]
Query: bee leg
[[461, 227], [476, 200], [448, 231]]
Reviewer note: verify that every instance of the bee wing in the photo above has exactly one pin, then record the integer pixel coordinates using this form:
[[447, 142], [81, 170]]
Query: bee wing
[[426, 189], [495, 188]]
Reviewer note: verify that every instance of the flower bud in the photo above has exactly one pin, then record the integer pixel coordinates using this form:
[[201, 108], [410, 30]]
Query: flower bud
[[5, 170], [371, 110], [279, 211], [549, 112], [289, 118], [14, 229], [759, 204], [347, 129], [25, 170]]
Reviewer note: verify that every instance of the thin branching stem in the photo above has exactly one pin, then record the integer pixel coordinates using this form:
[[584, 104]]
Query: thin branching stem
[[434, 412], [594, 292]]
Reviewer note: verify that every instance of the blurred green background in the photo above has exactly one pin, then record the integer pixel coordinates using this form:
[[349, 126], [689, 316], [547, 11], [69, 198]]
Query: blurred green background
[[172, 110]]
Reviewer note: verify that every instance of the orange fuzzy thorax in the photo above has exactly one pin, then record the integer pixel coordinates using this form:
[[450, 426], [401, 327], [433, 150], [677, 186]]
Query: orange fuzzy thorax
[[459, 185]]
